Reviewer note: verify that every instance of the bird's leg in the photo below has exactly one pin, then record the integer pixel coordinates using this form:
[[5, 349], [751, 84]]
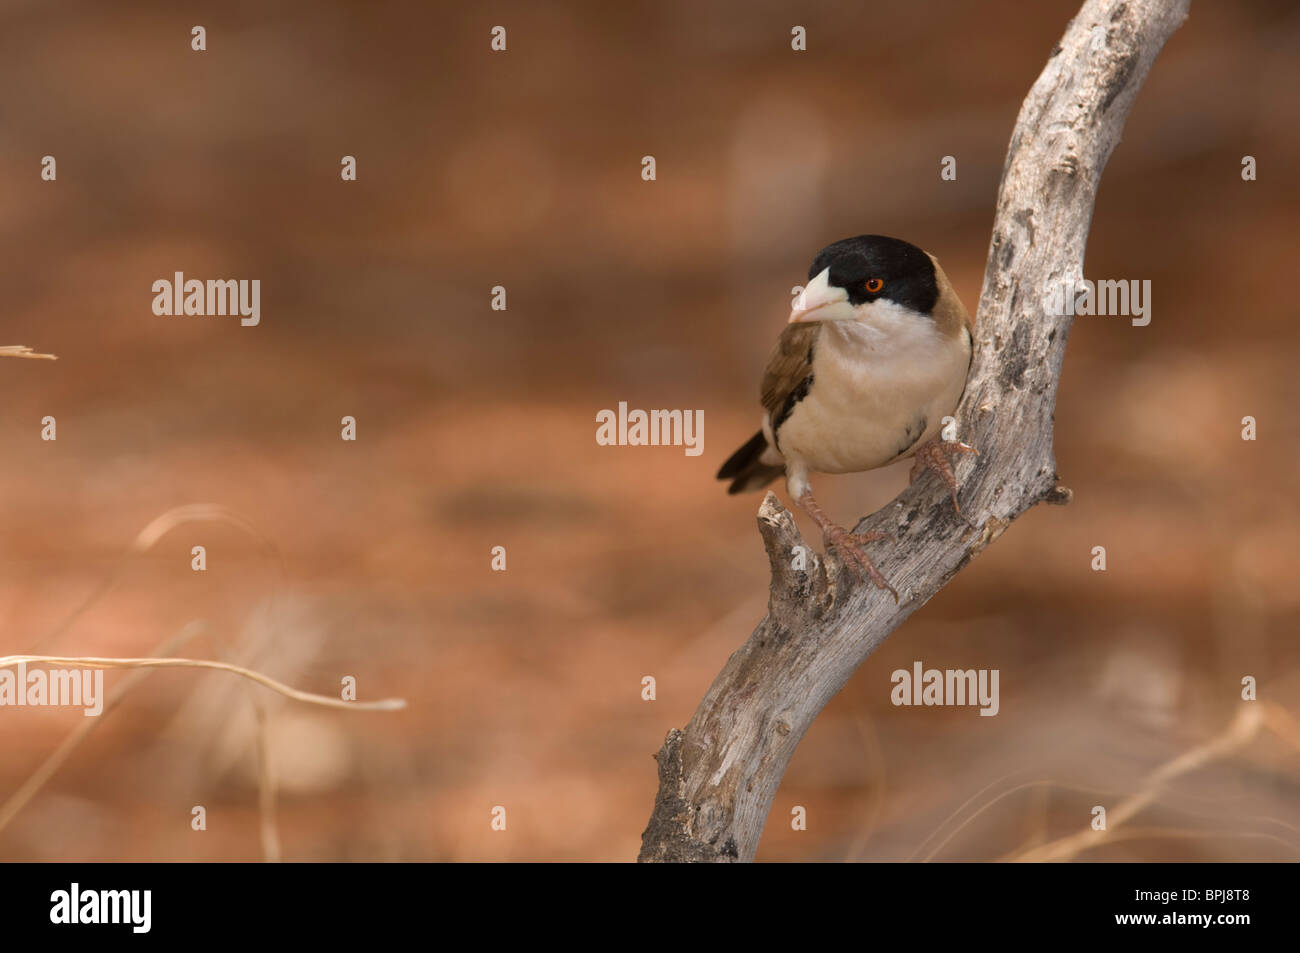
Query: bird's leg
[[848, 544], [934, 456]]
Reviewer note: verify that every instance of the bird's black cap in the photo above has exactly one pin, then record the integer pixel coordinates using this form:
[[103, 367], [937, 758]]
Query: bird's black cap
[[907, 271]]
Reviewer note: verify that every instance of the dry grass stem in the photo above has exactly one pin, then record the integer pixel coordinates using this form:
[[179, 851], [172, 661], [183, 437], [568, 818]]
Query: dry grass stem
[[19, 350], [386, 704], [55, 760], [1244, 727]]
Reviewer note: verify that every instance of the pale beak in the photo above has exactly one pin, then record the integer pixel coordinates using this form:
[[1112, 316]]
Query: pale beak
[[821, 301]]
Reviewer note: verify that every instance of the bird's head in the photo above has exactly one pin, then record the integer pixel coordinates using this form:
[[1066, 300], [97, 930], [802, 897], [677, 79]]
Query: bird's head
[[867, 279]]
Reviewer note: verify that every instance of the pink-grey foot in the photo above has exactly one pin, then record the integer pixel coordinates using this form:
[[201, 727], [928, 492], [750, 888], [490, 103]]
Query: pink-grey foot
[[935, 457], [847, 544]]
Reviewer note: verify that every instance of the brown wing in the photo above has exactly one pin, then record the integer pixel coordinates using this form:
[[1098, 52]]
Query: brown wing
[[949, 313], [788, 366]]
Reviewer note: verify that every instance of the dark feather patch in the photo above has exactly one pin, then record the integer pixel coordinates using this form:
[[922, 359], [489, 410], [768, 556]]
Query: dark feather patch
[[799, 393], [914, 432], [907, 272], [744, 457], [748, 469]]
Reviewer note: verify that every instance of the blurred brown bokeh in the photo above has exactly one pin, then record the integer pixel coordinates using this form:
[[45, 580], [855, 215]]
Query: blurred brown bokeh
[[476, 427]]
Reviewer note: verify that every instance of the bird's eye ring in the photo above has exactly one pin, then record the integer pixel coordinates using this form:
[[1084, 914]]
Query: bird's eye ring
[[873, 285]]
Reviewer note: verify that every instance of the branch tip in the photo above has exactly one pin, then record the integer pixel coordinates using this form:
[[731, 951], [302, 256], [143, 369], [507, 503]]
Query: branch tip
[[1058, 495]]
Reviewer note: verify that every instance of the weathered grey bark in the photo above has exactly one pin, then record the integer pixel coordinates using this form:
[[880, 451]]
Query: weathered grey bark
[[718, 776]]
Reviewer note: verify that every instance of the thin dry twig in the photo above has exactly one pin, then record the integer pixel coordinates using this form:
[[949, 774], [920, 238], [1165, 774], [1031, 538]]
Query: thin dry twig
[[268, 829], [19, 350], [146, 539], [386, 704], [1244, 727], [56, 758]]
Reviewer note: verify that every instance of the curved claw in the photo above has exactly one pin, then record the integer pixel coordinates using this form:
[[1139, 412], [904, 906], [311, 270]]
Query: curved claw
[[934, 456], [851, 554], [849, 545]]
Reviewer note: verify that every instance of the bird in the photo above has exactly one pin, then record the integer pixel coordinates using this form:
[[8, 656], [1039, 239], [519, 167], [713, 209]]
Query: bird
[[874, 356]]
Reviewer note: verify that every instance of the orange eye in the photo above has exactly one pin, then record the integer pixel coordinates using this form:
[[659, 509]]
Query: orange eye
[[874, 284]]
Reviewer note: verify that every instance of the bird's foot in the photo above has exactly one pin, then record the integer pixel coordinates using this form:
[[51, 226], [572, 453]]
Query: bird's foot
[[849, 547], [935, 457], [848, 544]]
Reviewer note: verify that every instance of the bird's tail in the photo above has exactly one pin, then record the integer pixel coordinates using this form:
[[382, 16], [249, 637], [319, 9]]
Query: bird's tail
[[745, 468]]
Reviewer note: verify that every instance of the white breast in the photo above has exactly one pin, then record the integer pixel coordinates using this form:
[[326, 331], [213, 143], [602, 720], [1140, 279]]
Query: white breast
[[881, 387]]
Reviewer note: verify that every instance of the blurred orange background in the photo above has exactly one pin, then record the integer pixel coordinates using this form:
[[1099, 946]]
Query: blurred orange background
[[476, 427]]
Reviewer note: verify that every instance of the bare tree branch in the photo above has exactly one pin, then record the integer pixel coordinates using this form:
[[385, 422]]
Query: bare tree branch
[[718, 776]]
